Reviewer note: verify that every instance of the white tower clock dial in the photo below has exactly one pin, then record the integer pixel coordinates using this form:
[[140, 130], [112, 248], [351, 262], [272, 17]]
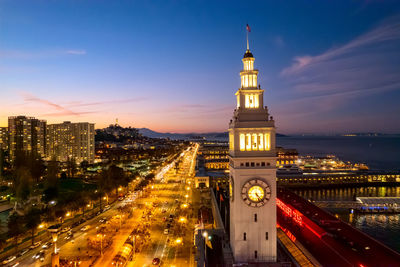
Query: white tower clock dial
[[256, 193]]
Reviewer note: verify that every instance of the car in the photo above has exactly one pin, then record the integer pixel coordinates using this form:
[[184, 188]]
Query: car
[[156, 261], [41, 257], [23, 252], [171, 216], [15, 264], [9, 259], [84, 228], [103, 220], [170, 219], [37, 255], [164, 211], [168, 225], [121, 198], [35, 245], [47, 245], [165, 219], [65, 229], [68, 237], [166, 231]]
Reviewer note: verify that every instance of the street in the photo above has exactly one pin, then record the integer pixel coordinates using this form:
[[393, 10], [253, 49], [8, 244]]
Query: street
[[163, 204]]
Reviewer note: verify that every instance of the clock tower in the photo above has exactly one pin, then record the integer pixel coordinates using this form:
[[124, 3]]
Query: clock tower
[[252, 166]]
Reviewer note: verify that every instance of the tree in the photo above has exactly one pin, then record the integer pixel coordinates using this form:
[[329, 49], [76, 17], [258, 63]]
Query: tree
[[71, 167], [32, 221], [36, 166], [118, 177], [23, 184], [15, 227], [104, 185], [2, 163], [52, 182], [84, 165]]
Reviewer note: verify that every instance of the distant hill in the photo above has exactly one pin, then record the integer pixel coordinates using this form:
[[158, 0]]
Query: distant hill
[[209, 136]]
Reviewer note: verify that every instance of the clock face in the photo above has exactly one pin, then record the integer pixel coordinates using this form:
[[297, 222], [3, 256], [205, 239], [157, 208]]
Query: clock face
[[256, 193]]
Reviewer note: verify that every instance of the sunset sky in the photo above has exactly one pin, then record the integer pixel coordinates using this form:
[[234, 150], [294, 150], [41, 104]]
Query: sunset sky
[[173, 66]]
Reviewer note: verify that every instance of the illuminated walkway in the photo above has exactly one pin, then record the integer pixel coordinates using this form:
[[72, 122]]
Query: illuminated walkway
[[294, 251]]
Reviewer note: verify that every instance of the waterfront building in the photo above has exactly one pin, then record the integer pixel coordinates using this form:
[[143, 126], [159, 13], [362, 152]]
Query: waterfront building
[[252, 167], [286, 156], [4, 138], [71, 141], [215, 155], [26, 134]]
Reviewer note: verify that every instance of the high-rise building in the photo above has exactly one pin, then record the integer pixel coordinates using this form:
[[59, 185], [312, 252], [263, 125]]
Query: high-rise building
[[252, 166], [71, 141], [4, 138], [26, 134]]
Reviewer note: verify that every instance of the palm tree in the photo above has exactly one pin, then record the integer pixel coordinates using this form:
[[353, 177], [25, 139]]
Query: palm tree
[[118, 177], [32, 221], [15, 227], [104, 185]]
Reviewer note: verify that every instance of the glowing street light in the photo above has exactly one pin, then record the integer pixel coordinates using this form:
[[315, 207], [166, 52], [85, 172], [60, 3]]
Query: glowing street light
[[182, 219], [68, 214], [186, 195], [101, 243], [178, 240]]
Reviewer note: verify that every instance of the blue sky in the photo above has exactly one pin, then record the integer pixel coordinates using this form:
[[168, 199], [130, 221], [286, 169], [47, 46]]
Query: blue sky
[[326, 66]]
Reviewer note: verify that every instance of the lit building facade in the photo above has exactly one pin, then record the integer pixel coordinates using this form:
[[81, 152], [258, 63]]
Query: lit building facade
[[71, 141], [4, 138], [252, 167], [26, 134]]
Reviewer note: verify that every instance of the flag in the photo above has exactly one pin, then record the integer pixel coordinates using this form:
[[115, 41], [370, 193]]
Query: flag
[[248, 28], [221, 198], [217, 187]]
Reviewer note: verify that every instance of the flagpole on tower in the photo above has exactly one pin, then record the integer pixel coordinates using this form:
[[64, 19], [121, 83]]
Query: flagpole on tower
[[247, 35], [247, 38]]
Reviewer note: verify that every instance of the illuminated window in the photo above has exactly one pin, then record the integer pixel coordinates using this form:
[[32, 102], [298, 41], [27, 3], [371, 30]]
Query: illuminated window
[[248, 142], [267, 143], [242, 142], [231, 141], [260, 142], [251, 101], [254, 143]]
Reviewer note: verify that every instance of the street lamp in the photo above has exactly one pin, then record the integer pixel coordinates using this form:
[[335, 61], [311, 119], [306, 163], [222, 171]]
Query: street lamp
[[101, 243]]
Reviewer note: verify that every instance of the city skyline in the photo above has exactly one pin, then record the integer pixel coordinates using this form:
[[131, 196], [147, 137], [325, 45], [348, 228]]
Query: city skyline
[[326, 67]]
